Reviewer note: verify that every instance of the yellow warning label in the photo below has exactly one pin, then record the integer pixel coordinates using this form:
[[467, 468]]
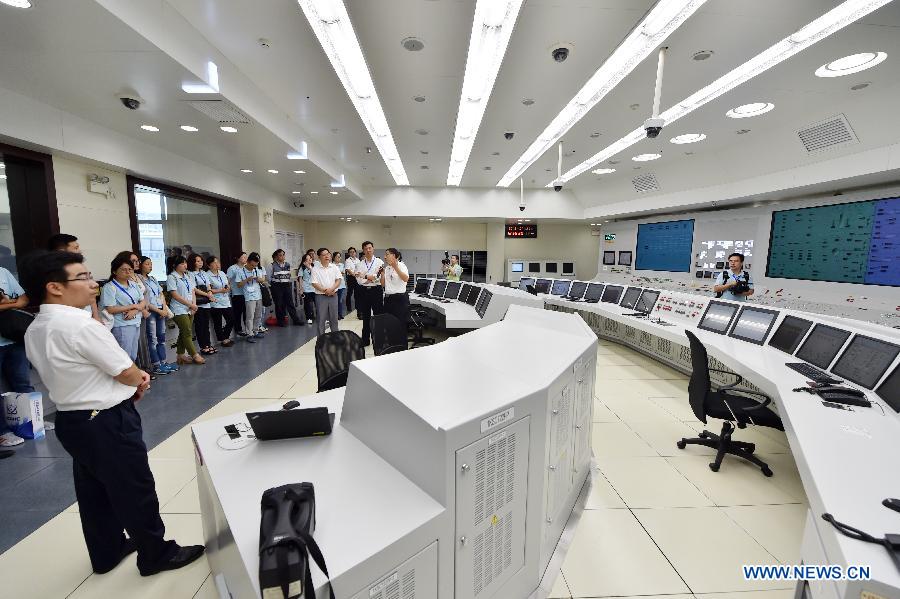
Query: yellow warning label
[[494, 520], [870, 595]]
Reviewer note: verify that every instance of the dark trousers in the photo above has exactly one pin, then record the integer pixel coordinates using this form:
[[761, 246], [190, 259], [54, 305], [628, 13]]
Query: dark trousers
[[218, 315], [397, 304], [351, 289], [15, 369], [114, 486], [201, 327], [237, 308], [309, 305], [369, 301], [283, 296]]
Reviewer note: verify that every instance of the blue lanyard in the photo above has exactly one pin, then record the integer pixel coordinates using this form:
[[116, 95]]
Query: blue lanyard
[[219, 281], [156, 287], [187, 283], [369, 266], [123, 290], [248, 274]]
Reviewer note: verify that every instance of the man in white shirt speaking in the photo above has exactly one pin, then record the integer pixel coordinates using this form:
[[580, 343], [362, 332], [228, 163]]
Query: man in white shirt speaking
[[94, 385], [326, 278]]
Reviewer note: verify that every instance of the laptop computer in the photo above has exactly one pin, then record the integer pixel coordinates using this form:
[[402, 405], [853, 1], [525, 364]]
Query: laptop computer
[[291, 424]]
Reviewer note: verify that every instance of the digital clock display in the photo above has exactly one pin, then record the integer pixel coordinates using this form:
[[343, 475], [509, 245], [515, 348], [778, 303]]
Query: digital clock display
[[522, 231]]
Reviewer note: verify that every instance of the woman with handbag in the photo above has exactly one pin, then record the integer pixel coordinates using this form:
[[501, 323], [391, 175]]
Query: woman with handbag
[[203, 299], [181, 288], [156, 321], [221, 304], [122, 298]]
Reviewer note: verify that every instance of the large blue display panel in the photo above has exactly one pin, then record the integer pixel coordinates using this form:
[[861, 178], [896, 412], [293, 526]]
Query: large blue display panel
[[665, 246], [843, 243]]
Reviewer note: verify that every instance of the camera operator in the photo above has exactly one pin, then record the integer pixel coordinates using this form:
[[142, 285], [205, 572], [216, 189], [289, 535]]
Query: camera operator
[[734, 284]]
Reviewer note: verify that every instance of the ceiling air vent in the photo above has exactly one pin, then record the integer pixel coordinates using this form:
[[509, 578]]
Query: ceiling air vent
[[833, 132], [645, 183], [221, 111]]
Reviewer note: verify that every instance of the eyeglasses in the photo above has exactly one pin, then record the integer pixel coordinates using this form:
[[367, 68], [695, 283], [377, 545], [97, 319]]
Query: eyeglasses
[[84, 276]]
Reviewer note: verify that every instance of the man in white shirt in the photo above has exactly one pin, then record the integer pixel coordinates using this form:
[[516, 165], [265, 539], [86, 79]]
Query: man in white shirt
[[351, 262], [369, 295], [394, 279], [94, 385], [326, 278]]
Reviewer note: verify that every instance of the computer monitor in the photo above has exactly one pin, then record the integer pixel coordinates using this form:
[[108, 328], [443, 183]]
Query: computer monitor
[[550, 267], [609, 258], [518, 267], [560, 287], [647, 301], [822, 345], [472, 298], [594, 291], [440, 286], [789, 334], [631, 297], [624, 258], [865, 360], [612, 294], [534, 267], [753, 324], [542, 285], [452, 291], [718, 317], [422, 286], [889, 390], [525, 282], [577, 289], [483, 302], [568, 268]]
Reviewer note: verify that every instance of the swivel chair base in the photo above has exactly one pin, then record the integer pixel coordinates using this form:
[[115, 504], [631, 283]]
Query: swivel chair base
[[724, 444]]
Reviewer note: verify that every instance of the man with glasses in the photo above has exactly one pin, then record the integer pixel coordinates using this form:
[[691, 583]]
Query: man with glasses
[[95, 385], [369, 293], [13, 362]]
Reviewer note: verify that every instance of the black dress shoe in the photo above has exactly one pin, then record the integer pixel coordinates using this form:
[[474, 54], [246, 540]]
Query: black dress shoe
[[184, 556], [128, 547]]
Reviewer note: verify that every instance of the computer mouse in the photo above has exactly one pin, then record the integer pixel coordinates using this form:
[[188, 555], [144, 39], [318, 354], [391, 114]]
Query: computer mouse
[[290, 405], [892, 503]]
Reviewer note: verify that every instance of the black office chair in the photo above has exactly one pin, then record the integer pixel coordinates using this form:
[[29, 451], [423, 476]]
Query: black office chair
[[334, 352], [388, 334], [420, 319], [531, 289], [724, 403]]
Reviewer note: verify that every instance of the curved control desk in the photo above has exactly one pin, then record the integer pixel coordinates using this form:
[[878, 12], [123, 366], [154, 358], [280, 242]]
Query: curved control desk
[[849, 460], [488, 306]]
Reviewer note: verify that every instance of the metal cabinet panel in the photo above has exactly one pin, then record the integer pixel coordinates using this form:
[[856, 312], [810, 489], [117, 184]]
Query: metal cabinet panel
[[491, 494], [584, 404], [416, 578]]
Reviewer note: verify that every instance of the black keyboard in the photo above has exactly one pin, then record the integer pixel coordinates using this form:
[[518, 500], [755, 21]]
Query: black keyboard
[[812, 373]]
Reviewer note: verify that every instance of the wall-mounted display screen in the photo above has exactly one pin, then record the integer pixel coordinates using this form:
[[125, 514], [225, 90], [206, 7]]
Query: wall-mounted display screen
[[625, 258], [822, 345], [865, 360], [568, 268], [560, 287], [518, 267], [631, 297], [714, 252], [665, 246], [857, 242], [534, 267], [789, 334], [753, 324], [612, 294], [550, 267], [609, 258], [718, 317], [577, 289], [594, 292], [521, 231]]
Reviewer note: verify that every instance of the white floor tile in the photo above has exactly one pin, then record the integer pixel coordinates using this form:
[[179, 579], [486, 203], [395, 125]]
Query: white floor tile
[[778, 528], [663, 435], [560, 589], [611, 439], [603, 414], [187, 501], [626, 372], [775, 594], [266, 386], [678, 406], [706, 547], [207, 589], [638, 409], [785, 475], [612, 555], [617, 360], [751, 434], [736, 483], [659, 388], [605, 389], [650, 482], [171, 476], [178, 445], [602, 496]]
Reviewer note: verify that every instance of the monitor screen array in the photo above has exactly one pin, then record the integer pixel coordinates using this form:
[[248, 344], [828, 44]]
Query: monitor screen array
[[889, 390], [753, 324], [422, 286], [472, 296], [594, 291], [483, 302], [822, 345], [865, 360], [631, 297], [718, 317], [560, 287], [612, 294], [577, 289], [789, 334], [452, 291], [440, 286]]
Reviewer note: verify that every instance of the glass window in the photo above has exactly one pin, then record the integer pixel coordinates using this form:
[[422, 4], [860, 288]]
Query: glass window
[[170, 226], [7, 244]]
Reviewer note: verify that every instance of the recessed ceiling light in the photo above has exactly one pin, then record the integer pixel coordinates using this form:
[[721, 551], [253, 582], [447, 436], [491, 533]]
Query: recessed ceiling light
[[246, 170], [189, 128], [646, 157], [748, 110], [851, 64], [150, 128], [419, 99], [227, 129], [273, 171], [527, 220], [296, 193], [688, 138], [603, 171], [702, 54], [300, 172], [528, 101], [314, 192], [17, 3], [334, 193], [412, 44]]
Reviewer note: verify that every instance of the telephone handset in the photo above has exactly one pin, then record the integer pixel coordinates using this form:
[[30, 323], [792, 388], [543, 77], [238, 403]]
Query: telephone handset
[[834, 390], [843, 395]]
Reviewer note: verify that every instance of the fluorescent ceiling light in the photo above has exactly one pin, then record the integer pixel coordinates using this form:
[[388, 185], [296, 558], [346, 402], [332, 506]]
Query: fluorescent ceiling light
[[314, 192], [340, 182], [492, 27], [646, 157], [688, 138], [228, 129], [834, 20], [273, 171], [246, 170], [150, 128], [189, 128], [851, 64], [749, 110], [300, 172], [334, 193], [603, 171], [296, 193], [331, 24], [662, 20], [17, 3], [212, 82]]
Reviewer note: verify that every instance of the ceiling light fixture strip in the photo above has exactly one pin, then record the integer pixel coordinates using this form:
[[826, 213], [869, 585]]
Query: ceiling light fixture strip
[[492, 27], [662, 20], [829, 23], [331, 24]]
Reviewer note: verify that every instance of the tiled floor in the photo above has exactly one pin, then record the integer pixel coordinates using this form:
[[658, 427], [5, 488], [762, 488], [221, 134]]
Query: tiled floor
[[657, 523]]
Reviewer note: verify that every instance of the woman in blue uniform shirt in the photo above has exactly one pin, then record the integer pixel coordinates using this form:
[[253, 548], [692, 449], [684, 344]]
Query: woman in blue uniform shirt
[[123, 299]]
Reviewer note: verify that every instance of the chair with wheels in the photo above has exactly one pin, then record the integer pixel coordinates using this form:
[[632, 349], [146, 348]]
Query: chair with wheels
[[420, 319], [334, 352], [729, 404], [388, 334]]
